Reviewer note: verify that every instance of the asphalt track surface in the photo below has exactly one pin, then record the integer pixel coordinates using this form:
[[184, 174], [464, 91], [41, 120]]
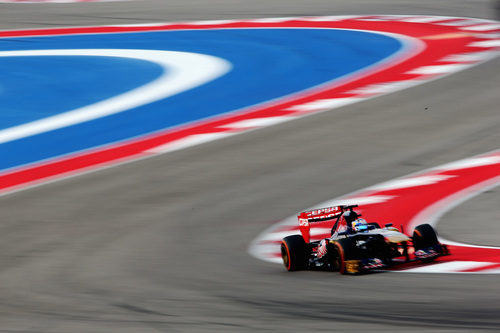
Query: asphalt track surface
[[160, 245]]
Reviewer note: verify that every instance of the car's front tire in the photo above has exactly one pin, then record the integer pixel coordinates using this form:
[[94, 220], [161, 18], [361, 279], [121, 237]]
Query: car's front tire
[[425, 237]]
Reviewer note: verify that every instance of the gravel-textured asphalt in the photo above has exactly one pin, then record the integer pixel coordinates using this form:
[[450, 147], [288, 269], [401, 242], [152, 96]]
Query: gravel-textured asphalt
[[160, 245]]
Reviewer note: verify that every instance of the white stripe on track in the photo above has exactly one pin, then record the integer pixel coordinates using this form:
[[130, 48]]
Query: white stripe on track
[[211, 22], [259, 122], [448, 267], [329, 18], [189, 141], [181, 71], [384, 88], [486, 43], [482, 27], [463, 22], [428, 19], [409, 182], [325, 104], [470, 163], [274, 19], [439, 69], [471, 57]]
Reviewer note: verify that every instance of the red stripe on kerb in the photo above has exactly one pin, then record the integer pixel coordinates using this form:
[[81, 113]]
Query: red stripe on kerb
[[435, 50]]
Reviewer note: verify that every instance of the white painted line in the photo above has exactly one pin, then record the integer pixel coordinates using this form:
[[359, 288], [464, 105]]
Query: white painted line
[[428, 19], [447, 267], [258, 122], [325, 104], [483, 27], [464, 22], [470, 163], [210, 22], [471, 57], [189, 141], [409, 182], [140, 25], [330, 18], [181, 71], [384, 88], [439, 69], [387, 18], [274, 19], [486, 43], [449, 242]]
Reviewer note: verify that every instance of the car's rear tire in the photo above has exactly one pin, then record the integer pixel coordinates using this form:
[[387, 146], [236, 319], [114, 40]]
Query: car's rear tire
[[294, 252], [345, 249]]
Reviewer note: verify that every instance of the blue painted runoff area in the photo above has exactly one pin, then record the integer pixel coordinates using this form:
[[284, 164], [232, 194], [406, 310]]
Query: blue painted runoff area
[[267, 64]]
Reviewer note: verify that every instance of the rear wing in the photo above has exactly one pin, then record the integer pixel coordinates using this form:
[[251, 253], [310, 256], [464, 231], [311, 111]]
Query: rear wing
[[319, 215]]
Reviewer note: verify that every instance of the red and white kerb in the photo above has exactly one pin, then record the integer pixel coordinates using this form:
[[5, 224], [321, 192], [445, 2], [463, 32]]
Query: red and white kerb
[[449, 44]]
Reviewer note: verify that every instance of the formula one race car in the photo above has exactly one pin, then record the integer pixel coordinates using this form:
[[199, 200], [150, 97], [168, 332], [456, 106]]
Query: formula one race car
[[356, 246]]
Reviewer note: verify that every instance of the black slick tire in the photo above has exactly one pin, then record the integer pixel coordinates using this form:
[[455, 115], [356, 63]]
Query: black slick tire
[[345, 250], [294, 252], [424, 236]]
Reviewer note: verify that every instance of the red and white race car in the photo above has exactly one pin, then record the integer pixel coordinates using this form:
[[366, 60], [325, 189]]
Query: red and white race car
[[356, 246]]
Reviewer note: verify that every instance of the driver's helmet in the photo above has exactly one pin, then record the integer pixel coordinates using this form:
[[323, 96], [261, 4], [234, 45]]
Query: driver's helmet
[[350, 216], [360, 225]]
